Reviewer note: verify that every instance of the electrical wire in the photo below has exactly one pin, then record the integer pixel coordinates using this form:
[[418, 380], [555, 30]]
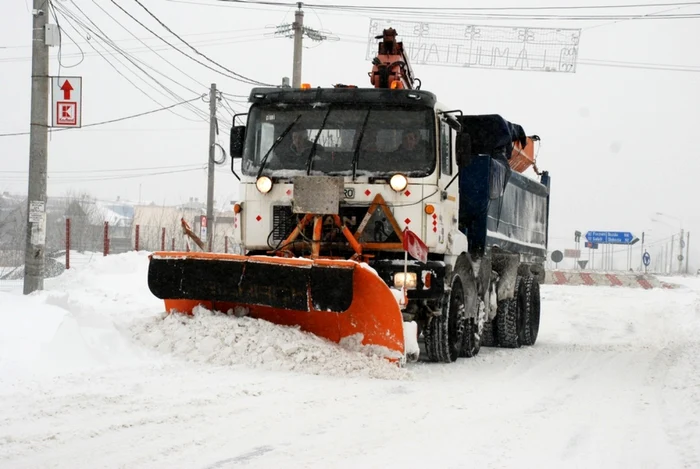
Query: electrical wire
[[202, 115], [112, 178], [432, 11], [110, 121], [234, 75], [151, 49], [136, 50], [116, 170], [116, 69], [61, 32], [148, 38], [550, 7], [164, 90]]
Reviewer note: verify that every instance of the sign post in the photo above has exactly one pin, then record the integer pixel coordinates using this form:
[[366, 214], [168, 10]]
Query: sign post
[[414, 246], [646, 259], [203, 227], [610, 238], [557, 257]]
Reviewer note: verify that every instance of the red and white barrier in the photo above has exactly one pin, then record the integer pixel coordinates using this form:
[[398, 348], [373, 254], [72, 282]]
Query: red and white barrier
[[630, 280]]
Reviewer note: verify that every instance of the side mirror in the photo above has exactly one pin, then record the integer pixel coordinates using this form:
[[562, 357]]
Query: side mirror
[[237, 139], [463, 149]]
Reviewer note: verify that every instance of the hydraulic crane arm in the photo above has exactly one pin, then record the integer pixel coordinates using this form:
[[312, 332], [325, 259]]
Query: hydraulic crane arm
[[391, 68]]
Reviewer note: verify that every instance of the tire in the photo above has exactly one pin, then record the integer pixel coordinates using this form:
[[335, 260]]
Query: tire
[[487, 335], [508, 320], [444, 335], [529, 294]]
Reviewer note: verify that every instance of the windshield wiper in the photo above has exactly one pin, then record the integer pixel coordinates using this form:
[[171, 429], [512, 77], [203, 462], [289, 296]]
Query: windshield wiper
[[312, 152], [356, 154], [277, 142]]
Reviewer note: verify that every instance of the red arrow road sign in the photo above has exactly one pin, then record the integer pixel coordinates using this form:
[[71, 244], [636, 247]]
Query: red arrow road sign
[[66, 88]]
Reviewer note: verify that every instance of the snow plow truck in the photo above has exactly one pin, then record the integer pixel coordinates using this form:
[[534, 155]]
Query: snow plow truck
[[339, 183]]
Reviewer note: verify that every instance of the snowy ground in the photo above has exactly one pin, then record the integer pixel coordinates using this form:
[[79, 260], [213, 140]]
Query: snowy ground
[[90, 376]]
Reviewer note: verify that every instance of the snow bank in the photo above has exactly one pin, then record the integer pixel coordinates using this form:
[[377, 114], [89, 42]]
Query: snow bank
[[79, 321], [40, 337], [101, 313], [222, 339]]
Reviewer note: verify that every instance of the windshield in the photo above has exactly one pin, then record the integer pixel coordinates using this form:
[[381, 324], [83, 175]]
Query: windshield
[[390, 140]]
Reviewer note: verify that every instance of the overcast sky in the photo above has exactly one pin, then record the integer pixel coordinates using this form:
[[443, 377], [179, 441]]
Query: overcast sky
[[618, 138]]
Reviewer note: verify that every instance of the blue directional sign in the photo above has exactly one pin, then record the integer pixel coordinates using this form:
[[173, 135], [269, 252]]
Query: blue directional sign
[[646, 259], [609, 237]]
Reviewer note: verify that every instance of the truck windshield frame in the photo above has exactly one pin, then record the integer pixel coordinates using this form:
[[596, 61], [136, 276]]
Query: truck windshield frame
[[395, 139]]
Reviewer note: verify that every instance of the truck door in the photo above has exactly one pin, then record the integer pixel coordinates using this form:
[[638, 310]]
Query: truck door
[[447, 219]]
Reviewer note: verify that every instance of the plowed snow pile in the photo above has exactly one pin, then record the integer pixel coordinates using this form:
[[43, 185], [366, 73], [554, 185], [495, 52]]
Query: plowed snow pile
[[222, 339], [102, 314]]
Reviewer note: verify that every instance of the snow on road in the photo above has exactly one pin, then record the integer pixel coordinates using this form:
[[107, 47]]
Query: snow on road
[[87, 379]]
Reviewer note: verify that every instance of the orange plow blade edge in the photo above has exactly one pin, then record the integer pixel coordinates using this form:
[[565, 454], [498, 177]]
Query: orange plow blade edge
[[334, 299]]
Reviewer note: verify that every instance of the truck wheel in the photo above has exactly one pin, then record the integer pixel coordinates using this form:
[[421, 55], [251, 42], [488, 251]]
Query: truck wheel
[[530, 309], [444, 334], [487, 338], [508, 320]]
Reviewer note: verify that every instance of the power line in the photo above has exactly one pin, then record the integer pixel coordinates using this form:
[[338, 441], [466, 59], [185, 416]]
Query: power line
[[69, 15], [111, 43], [110, 170], [236, 76], [436, 8], [208, 33], [110, 121], [60, 42], [526, 8], [116, 177], [152, 50], [426, 11], [210, 42]]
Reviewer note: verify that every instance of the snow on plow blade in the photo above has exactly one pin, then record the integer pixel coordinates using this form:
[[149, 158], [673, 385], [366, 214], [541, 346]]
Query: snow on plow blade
[[335, 299]]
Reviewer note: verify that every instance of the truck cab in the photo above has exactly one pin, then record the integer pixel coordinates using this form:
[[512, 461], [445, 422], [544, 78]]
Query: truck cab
[[400, 144]]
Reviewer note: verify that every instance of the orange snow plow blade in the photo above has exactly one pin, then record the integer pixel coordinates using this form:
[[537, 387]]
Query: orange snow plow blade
[[335, 299]]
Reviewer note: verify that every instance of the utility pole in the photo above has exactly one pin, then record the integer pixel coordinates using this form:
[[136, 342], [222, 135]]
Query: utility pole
[[298, 28], [687, 253], [211, 164], [681, 244], [35, 243], [297, 31]]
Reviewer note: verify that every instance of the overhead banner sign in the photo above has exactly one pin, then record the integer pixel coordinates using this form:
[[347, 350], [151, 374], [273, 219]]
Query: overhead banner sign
[[478, 46], [66, 101]]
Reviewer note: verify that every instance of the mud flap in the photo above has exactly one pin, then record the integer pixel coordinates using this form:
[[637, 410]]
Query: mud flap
[[334, 299]]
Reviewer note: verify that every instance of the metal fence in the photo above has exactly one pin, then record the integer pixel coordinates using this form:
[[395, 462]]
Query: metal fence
[[77, 244]]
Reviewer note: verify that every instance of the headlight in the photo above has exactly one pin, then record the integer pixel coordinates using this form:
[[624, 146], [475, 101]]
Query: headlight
[[398, 182], [264, 184], [409, 278]]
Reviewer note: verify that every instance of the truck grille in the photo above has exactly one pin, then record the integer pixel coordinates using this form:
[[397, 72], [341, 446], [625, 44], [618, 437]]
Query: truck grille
[[284, 221]]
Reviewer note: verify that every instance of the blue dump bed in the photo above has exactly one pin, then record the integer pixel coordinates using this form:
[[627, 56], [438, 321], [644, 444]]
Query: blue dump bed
[[500, 207]]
